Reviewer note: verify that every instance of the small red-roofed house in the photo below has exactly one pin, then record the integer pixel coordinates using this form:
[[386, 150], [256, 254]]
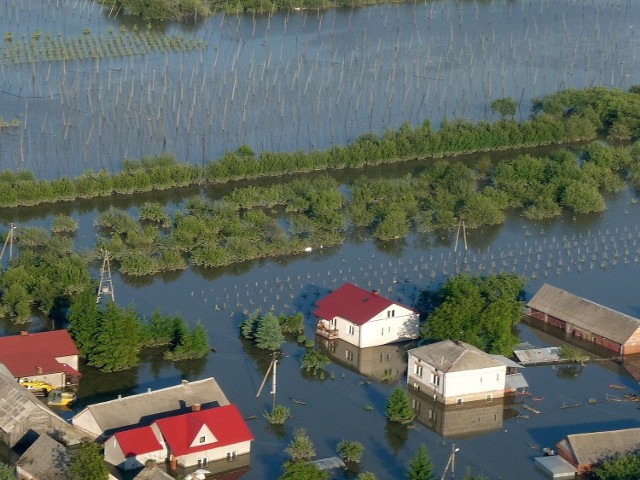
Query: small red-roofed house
[[49, 357], [205, 436], [130, 449], [364, 318], [197, 438]]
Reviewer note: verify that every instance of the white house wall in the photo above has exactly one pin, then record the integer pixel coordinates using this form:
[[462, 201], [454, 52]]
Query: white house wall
[[394, 324], [214, 454], [468, 385], [87, 423], [57, 380], [71, 360]]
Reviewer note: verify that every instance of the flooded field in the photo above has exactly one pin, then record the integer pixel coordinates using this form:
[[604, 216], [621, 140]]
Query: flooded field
[[301, 80], [311, 80]]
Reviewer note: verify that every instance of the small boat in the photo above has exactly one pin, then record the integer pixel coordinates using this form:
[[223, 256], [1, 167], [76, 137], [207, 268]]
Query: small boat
[[60, 398], [617, 387]]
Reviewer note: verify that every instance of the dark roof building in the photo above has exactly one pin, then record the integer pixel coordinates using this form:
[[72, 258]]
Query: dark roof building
[[585, 450], [586, 320], [46, 459]]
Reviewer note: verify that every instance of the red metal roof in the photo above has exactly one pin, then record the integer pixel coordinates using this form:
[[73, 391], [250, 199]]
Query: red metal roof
[[23, 354], [225, 422], [352, 303], [137, 441]]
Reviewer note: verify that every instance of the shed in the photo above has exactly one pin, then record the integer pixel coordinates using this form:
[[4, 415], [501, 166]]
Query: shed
[[587, 320]]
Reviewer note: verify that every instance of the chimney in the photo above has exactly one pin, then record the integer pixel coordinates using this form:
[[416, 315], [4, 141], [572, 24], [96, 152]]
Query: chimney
[[195, 407], [24, 333], [174, 463], [39, 369], [375, 292]]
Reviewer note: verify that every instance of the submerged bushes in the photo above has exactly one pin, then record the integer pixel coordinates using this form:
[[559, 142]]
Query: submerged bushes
[[568, 116]]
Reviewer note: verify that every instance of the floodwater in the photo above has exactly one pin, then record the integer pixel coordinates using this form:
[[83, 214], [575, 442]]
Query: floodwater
[[397, 62], [302, 80]]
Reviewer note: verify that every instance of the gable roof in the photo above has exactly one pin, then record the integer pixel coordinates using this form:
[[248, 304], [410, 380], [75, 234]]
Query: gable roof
[[225, 423], [153, 473], [138, 441], [20, 411], [144, 408], [46, 459], [23, 354], [584, 314], [450, 356], [589, 448], [353, 303]]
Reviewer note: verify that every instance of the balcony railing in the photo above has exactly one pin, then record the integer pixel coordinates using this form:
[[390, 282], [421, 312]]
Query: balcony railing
[[330, 333]]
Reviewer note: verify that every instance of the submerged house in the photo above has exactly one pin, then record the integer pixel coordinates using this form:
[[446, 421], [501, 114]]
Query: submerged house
[[454, 372], [586, 320], [364, 318], [199, 438], [104, 419], [585, 450], [49, 357]]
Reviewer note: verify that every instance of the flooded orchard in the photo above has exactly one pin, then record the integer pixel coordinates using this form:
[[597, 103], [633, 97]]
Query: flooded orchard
[[310, 80]]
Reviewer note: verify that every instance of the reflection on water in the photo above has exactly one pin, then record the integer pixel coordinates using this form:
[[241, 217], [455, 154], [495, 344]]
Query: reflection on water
[[386, 363], [461, 421]]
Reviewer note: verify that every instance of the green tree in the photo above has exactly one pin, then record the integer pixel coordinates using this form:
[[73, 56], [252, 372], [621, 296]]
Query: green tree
[[481, 311], [191, 345], [420, 466], [582, 198], [84, 317], [6, 472], [118, 340], [506, 107], [625, 466], [301, 447], [398, 408], [302, 470], [292, 324], [88, 463], [268, 333], [314, 360], [366, 476], [278, 416], [350, 450]]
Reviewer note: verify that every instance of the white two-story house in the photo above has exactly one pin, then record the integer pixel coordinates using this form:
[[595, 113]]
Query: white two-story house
[[454, 372], [364, 318]]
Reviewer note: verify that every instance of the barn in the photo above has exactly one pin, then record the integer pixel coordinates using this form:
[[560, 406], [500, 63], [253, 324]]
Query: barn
[[587, 320]]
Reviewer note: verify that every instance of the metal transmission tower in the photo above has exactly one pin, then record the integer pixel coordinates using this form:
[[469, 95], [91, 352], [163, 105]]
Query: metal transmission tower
[[106, 283]]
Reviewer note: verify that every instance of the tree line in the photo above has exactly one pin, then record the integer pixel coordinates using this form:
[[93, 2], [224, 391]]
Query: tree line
[[564, 117]]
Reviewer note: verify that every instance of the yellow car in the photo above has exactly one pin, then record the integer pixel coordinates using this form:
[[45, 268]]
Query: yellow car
[[60, 398], [36, 385]]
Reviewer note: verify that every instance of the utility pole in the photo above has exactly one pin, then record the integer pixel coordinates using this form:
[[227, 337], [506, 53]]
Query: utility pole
[[8, 240], [106, 283], [461, 225], [272, 366], [451, 462]]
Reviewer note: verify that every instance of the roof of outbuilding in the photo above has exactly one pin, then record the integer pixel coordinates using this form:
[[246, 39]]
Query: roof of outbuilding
[[225, 423], [153, 473], [137, 441], [46, 459], [584, 314], [24, 354], [589, 448], [144, 408], [454, 356], [353, 303]]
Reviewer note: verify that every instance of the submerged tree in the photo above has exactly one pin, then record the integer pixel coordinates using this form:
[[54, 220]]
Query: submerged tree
[[398, 407], [420, 465]]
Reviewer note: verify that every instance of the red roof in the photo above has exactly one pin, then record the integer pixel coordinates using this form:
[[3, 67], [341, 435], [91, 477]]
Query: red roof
[[24, 354], [352, 303], [225, 422], [137, 441]]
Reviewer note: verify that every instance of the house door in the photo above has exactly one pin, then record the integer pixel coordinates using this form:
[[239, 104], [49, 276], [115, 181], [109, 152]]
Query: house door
[[332, 323]]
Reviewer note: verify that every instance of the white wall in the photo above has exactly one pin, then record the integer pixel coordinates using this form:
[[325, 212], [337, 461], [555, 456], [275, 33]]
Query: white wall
[[71, 360], [85, 422], [214, 454], [469, 385], [392, 325], [55, 379]]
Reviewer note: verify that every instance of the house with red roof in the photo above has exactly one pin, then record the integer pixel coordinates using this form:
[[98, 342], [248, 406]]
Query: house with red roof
[[364, 318], [217, 438], [49, 357]]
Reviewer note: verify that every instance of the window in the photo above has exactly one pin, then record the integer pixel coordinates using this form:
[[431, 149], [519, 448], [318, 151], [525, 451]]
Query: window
[[232, 456], [415, 404], [202, 439], [498, 377], [480, 379], [393, 313], [417, 370], [435, 379], [205, 461], [460, 401], [348, 354], [489, 398], [382, 331], [351, 329]]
